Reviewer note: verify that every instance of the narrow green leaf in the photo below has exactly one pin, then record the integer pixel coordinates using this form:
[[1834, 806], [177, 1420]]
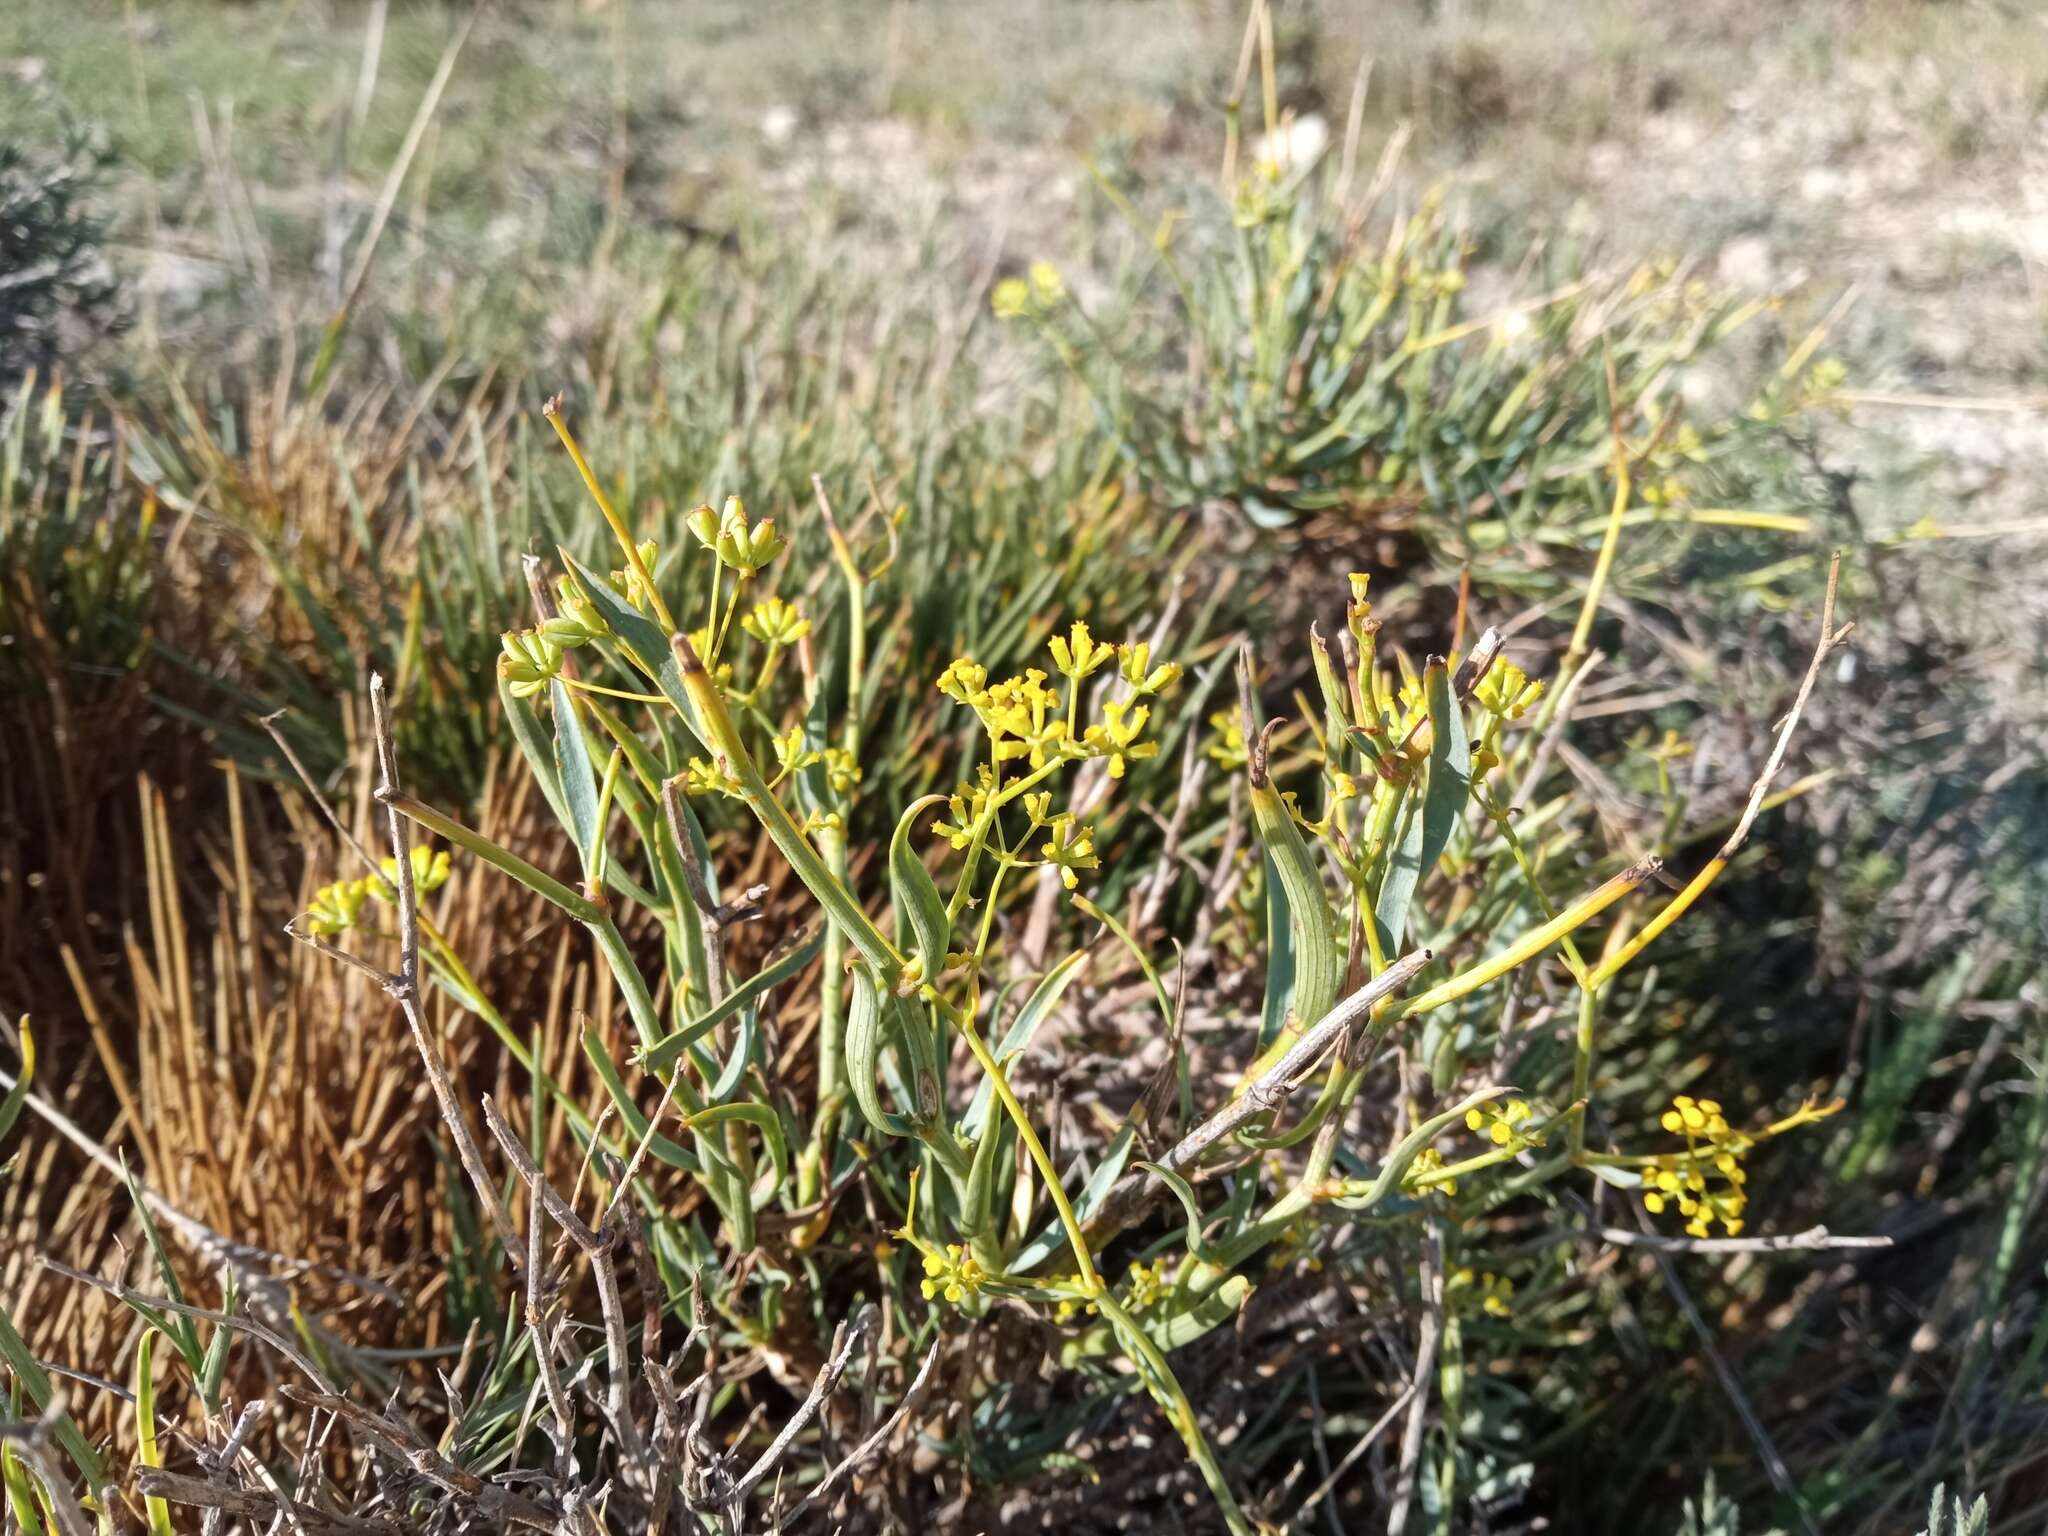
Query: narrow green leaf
[[663, 1052], [1409, 1146], [769, 1124], [864, 1055], [636, 1122], [576, 776], [639, 637], [10, 1107], [213, 1370], [1428, 831], [1184, 1192], [539, 881], [1311, 922], [181, 1330], [1173, 1327], [20, 1494], [533, 746], [919, 907], [36, 1383]]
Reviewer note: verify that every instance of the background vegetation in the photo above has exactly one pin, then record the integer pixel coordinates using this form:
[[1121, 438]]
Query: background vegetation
[[282, 290]]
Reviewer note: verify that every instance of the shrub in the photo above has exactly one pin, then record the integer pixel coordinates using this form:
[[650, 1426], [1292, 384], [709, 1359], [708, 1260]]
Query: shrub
[[1344, 382], [639, 696], [59, 291]]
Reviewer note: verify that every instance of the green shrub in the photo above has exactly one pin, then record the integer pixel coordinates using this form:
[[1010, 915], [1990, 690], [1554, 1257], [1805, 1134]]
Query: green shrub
[[59, 291], [1396, 913], [1343, 381]]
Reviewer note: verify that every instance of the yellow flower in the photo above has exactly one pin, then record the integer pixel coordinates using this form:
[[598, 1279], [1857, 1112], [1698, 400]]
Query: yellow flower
[[740, 545], [1706, 1181], [967, 805], [842, 770], [964, 680], [336, 907], [1079, 653], [430, 871], [1117, 737], [1011, 299], [953, 1273], [702, 778], [791, 756], [1429, 1161], [1494, 1294], [529, 663], [1046, 287], [1506, 690], [1018, 714], [1227, 751], [1148, 1283], [1135, 662], [1070, 849], [1504, 1126], [775, 622], [627, 582]]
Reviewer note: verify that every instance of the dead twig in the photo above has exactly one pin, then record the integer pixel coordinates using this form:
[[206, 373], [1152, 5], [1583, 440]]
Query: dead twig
[[913, 1400], [406, 988], [1428, 1337], [1128, 1199]]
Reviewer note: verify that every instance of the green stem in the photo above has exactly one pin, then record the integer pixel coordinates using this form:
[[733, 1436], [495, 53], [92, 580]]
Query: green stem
[[1582, 1065], [575, 903]]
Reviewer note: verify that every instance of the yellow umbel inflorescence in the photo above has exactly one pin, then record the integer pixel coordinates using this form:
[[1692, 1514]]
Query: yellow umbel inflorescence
[[1707, 1181], [1030, 721], [952, 1272], [1506, 1126], [338, 907], [1492, 1294]]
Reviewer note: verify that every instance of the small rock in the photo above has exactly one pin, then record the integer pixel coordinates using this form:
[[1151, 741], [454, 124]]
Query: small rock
[[1295, 143], [780, 123], [1745, 262]]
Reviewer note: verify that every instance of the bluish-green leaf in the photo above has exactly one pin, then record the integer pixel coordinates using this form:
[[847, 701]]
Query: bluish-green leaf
[[921, 921], [533, 746], [1427, 827], [639, 637], [636, 1122], [663, 1052], [864, 1018], [578, 779]]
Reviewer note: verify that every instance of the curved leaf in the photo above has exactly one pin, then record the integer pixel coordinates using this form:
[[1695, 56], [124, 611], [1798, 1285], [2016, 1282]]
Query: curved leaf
[[864, 1056], [1318, 969], [919, 906], [636, 1122], [658, 1056], [769, 1124], [1406, 1149], [1184, 1192], [639, 637], [1428, 828], [578, 780]]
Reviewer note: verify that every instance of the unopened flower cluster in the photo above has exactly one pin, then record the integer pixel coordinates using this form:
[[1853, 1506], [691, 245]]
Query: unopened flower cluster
[[339, 907]]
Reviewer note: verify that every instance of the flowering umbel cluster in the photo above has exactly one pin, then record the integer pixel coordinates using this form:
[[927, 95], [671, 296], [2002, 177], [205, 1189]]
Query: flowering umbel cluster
[[1707, 1181], [339, 907], [1030, 721]]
